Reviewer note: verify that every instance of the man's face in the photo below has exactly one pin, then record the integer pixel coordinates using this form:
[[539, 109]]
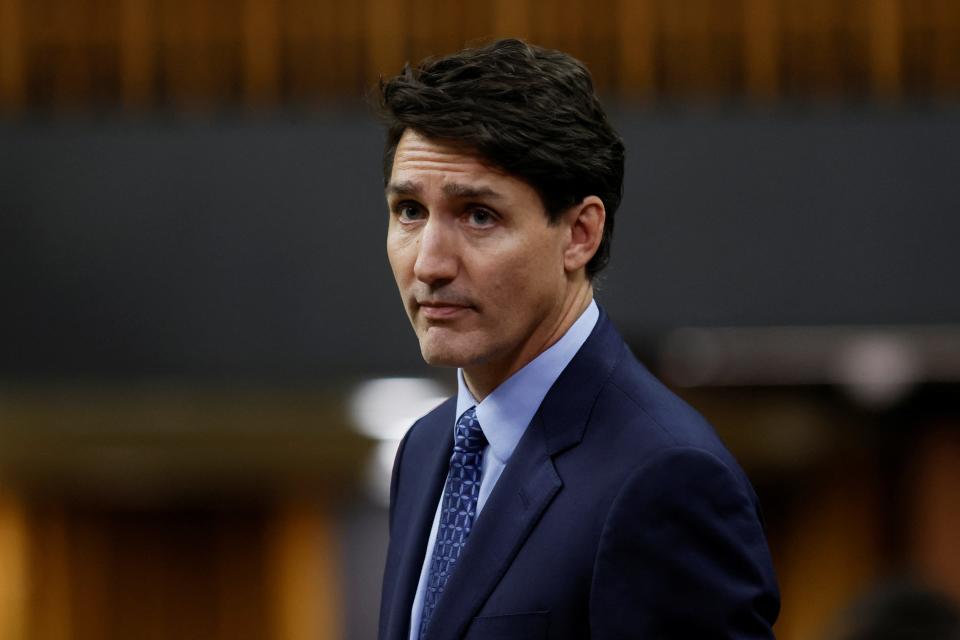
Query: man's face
[[478, 265]]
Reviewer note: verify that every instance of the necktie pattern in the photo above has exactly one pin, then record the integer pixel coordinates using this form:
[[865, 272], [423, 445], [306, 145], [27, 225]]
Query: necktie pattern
[[458, 510]]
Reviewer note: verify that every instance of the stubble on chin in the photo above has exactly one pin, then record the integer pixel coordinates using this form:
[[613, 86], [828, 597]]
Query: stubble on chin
[[436, 351], [445, 347]]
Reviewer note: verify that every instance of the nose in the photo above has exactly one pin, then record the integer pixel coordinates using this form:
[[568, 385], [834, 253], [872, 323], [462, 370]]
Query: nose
[[437, 260]]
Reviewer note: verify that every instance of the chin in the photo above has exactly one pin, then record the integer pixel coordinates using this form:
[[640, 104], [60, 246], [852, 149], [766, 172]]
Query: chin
[[441, 357], [446, 353]]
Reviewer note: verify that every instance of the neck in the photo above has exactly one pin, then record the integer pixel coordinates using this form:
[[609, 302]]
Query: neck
[[482, 379]]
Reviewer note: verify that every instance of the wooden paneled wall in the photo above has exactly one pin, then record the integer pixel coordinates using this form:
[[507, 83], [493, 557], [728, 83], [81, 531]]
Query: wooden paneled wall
[[75, 573], [227, 53]]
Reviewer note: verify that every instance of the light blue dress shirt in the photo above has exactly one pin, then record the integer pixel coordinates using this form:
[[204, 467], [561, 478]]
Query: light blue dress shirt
[[504, 416]]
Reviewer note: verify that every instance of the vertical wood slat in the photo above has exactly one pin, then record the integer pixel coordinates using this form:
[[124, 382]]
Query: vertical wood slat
[[101, 43], [92, 568], [855, 46], [446, 33], [261, 48], [570, 28], [793, 51], [12, 59], [601, 52], [946, 60], [339, 25], [420, 21], [50, 614], [73, 80], [308, 43], [547, 25], [886, 48], [241, 605], [385, 42], [349, 44], [61, 20], [137, 53], [14, 553], [221, 41], [920, 33], [196, 45], [511, 18], [173, 40], [324, 44], [304, 575], [935, 522], [832, 550], [637, 39], [478, 20], [709, 73], [40, 38], [676, 54], [813, 63], [193, 59], [761, 49]]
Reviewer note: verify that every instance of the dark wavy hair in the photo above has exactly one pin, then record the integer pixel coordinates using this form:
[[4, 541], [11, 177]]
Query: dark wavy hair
[[531, 111]]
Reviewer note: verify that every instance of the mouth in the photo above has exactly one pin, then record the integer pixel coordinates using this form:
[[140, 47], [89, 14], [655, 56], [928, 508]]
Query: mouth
[[442, 310]]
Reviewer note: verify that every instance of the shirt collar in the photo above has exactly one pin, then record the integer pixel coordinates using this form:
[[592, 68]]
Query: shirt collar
[[505, 413]]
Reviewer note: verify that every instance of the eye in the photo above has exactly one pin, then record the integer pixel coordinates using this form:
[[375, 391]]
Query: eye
[[481, 217], [408, 211]]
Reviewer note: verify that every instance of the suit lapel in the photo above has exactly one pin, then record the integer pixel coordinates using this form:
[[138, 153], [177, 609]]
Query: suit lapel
[[516, 504], [428, 471], [527, 486], [566, 409]]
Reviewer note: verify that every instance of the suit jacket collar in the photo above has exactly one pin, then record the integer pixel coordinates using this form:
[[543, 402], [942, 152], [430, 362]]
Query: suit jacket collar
[[566, 409], [524, 491]]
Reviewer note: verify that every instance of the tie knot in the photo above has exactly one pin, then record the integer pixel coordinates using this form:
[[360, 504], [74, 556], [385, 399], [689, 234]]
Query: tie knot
[[469, 436]]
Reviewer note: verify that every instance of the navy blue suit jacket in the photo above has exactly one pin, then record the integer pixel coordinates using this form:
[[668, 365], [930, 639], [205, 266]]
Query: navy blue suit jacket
[[620, 515]]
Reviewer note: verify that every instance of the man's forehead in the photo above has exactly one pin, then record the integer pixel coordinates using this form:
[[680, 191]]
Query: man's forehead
[[415, 149], [422, 163]]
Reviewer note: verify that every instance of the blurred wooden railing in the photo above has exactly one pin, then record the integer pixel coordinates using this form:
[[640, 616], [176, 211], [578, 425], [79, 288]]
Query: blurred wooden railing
[[228, 53]]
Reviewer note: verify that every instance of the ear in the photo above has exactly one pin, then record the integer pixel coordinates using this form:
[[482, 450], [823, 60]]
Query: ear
[[585, 221]]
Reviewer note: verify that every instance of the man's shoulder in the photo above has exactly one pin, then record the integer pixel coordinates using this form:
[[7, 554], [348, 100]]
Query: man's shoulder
[[636, 412], [639, 393], [626, 392]]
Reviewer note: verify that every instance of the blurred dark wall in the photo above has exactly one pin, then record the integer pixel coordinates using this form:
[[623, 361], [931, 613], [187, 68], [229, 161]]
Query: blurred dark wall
[[247, 248]]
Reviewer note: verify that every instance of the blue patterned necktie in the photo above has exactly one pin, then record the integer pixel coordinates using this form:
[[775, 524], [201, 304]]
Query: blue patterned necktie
[[458, 510]]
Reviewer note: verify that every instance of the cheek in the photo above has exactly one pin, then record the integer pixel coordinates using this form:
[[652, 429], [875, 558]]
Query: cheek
[[524, 278], [399, 256]]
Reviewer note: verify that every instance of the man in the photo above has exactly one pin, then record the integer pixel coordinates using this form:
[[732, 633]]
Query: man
[[564, 493]]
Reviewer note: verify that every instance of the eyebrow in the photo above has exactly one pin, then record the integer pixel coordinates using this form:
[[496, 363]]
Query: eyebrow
[[404, 188], [457, 190], [451, 190]]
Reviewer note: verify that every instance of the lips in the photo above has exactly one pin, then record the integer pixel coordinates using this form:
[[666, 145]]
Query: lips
[[441, 310]]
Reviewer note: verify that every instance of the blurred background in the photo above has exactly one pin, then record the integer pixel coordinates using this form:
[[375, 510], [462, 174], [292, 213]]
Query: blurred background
[[205, 367]]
